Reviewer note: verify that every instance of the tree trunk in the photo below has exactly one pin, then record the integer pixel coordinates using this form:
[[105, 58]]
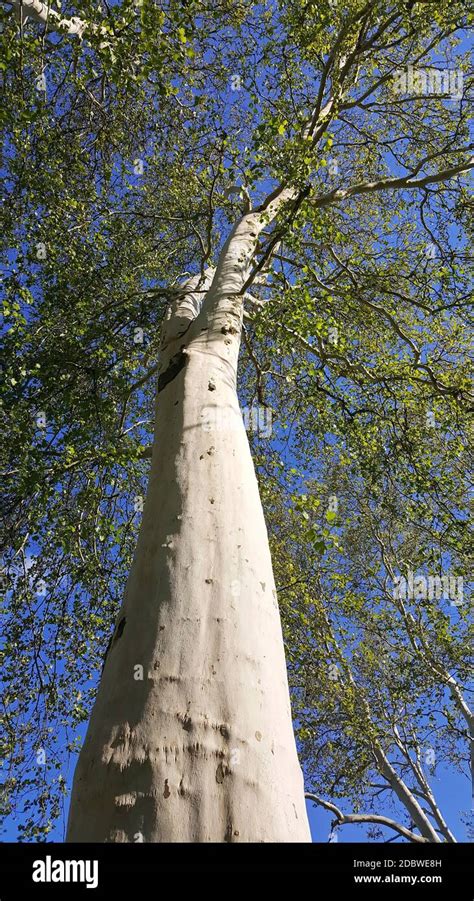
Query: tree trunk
[[191, 737]]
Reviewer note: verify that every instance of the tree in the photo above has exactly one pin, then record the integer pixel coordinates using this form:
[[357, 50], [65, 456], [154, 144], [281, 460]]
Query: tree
[[190, 737], [379, 673]]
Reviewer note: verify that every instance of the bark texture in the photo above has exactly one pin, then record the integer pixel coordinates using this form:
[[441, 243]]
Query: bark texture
[[201, 749]]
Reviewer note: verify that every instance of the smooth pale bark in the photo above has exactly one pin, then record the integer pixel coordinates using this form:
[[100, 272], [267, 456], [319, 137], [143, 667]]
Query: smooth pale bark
[[406, 797], [202, 748], [42, 12]]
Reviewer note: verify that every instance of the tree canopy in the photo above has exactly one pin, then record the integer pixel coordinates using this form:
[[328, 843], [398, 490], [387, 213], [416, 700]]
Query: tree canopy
[[135, 135]]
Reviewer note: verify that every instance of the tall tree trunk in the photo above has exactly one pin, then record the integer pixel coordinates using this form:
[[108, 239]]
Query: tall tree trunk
[[191, 737]]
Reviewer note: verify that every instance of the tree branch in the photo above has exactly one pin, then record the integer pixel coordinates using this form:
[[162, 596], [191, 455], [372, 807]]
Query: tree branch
[[343, 819], [388, 184], [41, 12]]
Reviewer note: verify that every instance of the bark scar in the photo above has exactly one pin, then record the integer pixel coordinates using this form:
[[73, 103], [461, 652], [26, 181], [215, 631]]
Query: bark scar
[[113, 638], [120, 628], [176, 364]]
